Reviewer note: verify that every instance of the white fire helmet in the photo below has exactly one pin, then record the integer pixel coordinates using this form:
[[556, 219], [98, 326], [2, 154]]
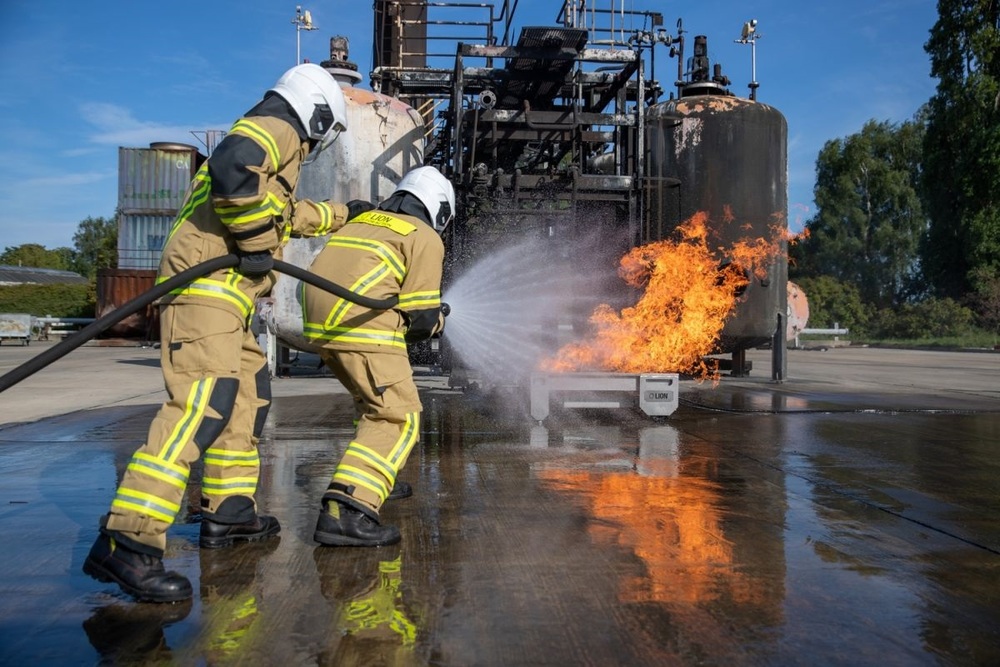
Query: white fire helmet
[[317, 100], [434, 191]]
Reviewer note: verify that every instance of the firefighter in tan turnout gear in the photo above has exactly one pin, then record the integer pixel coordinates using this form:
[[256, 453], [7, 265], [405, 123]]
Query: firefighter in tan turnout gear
[[240, 201], [393, 250]]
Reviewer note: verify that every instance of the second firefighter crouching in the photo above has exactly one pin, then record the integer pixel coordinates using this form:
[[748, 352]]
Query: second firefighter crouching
[[395, 250]]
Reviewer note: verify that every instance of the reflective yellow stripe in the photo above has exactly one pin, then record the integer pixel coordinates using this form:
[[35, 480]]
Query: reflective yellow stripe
[[373, 458], [384, 252], [362, 286], [199, 195], [227, 291], [259, 210], [413, 300], [325, 217], [146, 503], [250, 129], [225, 458], [184, 429], [164, 471], [351, 475], [383, 219], [215, 486], [407, 439], [352, 335]]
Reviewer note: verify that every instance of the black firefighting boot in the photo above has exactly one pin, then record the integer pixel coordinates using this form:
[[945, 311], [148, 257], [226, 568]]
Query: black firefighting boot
[[139, 573], [400, 490], [341, 524], [215, 535], [236, 520]]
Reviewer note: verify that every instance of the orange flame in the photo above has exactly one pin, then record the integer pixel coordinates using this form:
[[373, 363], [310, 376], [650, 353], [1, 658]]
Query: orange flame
[[688, 296]]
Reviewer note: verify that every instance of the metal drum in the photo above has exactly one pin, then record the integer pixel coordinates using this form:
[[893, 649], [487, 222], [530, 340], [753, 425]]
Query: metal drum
[[725, 156]]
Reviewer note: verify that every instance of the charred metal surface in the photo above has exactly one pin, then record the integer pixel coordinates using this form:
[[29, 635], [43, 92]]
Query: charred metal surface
[[729, 155], [849, 516]]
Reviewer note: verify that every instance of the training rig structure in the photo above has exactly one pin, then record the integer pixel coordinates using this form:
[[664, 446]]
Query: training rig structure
[[545, 134], [529, 131]]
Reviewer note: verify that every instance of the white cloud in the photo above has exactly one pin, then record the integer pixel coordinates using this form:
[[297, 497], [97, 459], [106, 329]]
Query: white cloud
[[115, 125]]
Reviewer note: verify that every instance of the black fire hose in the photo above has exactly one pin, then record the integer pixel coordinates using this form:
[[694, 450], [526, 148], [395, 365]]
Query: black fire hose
[[96, 327]]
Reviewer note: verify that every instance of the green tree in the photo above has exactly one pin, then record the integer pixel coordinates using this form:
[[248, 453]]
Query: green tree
[[962, 146], [869, 219], [32, 254], [930, 318], [96, 241]]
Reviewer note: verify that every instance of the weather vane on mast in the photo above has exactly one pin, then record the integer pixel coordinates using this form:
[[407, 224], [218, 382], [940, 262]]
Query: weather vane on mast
[[302, 21], [750, 36]]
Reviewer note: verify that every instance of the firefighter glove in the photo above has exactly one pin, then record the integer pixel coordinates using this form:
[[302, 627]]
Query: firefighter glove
[[256, 264], [356, 207]]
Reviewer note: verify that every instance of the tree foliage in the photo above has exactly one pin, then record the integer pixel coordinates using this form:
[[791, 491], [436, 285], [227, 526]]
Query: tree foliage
[[38, 256], [985, 301], [962, 146], [930, 318], [870, 219], [96, 241], [59, 300]]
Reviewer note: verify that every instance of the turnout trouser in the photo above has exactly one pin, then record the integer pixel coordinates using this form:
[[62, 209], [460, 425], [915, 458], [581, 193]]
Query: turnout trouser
[[219, 391], [388, 424]]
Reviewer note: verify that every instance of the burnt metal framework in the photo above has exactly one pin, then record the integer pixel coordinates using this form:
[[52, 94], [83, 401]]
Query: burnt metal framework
[[542, 135], [531, 133]]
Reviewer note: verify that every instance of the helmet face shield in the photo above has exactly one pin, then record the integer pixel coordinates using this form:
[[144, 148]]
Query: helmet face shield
[[321, 121], [444, 216], [326, 127], [330, 136], [323, 144]]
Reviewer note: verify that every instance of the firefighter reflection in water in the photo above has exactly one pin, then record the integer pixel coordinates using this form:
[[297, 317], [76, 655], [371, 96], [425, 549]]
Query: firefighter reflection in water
[[230, 601], [393, 250], [132, 634], [239, 202], [371, 623]]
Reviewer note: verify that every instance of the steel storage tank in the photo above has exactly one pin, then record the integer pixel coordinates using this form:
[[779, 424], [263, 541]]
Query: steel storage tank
[[384, 140], [726, 156]]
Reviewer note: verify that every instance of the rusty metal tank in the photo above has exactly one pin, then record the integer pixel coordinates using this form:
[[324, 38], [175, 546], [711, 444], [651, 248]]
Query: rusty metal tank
[[713, 152], [384, 140]]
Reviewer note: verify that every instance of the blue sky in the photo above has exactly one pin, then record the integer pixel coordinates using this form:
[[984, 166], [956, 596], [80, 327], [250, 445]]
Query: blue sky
[[81, 79]]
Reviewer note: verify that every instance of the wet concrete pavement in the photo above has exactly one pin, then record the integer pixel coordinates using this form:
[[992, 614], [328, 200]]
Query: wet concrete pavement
[[849, 516]]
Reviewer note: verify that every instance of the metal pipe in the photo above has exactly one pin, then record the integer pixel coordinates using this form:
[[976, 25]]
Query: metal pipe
[[77, 339]]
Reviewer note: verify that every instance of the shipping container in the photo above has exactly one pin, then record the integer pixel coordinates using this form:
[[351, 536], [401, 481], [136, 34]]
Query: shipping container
[[152, 183], [117, 287], [141, 238], [154, 180]]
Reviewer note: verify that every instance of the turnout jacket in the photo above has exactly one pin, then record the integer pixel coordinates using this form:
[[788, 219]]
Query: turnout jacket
[[377, 254], [241, 200]]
